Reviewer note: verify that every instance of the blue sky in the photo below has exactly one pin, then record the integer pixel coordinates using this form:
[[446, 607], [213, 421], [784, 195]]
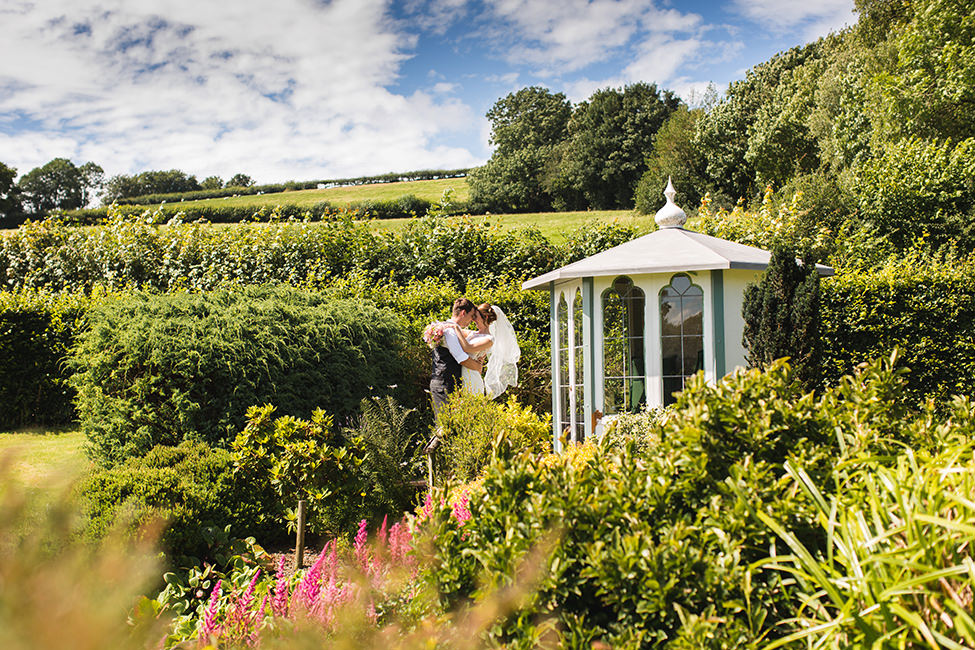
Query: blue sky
[[314, 89]]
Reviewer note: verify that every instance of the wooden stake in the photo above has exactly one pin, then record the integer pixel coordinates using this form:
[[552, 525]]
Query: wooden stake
[[300, 542]]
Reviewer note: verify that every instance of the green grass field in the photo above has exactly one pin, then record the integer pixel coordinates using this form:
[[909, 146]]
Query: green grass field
[[554, 225], [342, 196], [42, 459]]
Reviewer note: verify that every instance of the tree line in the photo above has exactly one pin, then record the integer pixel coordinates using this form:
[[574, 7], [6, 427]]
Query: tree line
[[62, 185], [874, 125]]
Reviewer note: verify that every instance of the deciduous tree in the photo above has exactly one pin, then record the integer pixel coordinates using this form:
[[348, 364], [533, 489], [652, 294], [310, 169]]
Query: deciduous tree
[[59, 185], [610, 136], [10, 207], [240, 180], [526, 126], [212, 183]]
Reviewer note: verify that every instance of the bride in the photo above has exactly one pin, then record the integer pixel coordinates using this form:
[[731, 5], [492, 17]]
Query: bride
[[495, 341]]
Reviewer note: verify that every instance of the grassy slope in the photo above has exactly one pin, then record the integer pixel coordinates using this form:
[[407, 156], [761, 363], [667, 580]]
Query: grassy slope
[[554, 225], [341, 196]]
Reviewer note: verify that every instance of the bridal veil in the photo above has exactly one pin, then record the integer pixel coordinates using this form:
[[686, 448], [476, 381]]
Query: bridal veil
[[502, 368]]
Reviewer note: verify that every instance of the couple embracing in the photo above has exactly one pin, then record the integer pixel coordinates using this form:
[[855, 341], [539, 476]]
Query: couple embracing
[[460, 355]]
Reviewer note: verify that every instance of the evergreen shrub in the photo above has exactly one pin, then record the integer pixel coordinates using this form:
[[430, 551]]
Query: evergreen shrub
[[158, 369], [190, 489]]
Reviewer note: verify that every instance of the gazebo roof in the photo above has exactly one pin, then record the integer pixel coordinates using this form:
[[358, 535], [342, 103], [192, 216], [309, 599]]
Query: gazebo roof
[[668, 250]]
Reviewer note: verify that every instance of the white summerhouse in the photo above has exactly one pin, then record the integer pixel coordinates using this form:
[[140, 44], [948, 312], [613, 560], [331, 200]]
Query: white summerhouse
[[631, 324]]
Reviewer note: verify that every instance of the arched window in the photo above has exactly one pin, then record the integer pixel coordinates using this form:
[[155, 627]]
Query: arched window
[[565, 412], [682, 333], [624, 375], [578, 374]]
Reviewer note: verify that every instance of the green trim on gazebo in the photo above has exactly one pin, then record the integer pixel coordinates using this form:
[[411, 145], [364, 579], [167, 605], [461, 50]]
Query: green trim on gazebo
[[717, 311]]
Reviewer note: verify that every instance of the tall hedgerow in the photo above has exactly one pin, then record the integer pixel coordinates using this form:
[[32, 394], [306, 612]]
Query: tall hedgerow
[[158, 369]]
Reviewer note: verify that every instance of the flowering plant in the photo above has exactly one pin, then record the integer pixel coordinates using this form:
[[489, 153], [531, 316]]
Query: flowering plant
[[433, 334]]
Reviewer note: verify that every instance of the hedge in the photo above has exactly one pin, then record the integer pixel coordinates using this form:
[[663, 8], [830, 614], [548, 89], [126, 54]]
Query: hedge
[[36, 331], [127, 253], [923, 307], [35, 360], [192, 489], [158, 369]]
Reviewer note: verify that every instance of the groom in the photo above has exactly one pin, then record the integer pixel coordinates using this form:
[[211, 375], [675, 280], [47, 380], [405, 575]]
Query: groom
[[449, 357]]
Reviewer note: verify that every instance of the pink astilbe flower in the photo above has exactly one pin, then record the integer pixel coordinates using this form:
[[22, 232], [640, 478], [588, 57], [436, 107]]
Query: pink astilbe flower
[[306, 593], [279, 604], [461, 509], [383, 535], [427, 511], [359, 547], [400, 542], [241, 620], [209, 628]]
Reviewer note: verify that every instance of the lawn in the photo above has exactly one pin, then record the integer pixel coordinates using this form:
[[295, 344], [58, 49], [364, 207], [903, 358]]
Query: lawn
[[554, 225], [341, 196], [42, 459]]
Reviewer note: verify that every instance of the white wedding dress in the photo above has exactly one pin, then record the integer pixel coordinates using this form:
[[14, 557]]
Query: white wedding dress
[[472, 381], [502, 359]]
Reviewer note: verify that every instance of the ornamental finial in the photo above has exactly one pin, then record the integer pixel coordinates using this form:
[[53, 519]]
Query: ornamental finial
[[670, 216]]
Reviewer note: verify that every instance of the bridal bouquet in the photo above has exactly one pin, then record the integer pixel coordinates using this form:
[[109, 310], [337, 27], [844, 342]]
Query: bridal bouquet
[[433, 334]]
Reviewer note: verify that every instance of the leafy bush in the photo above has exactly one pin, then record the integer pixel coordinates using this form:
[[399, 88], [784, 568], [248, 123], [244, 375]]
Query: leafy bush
[[192, 489], [898, 536], [921, 186], [299, 459], [157, 369], [777, 222], [650, 550], [36, 331], [474, 428]]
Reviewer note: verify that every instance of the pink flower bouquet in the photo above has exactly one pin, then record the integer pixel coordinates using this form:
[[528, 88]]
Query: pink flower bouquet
[[433, 334]]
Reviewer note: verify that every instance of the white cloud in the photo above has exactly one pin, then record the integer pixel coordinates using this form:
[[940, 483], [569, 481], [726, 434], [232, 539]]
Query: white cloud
[[296, 90], [815, 19], [444, 87], [569, 34]]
